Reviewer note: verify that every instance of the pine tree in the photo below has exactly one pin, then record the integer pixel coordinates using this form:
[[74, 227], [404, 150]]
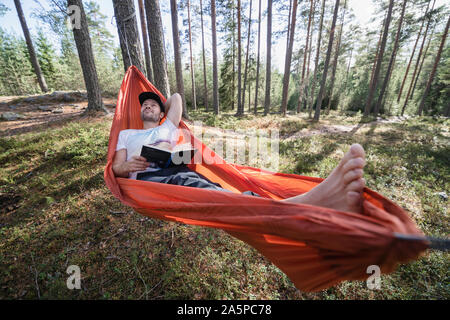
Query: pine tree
[[433, 72], [46, 57], [176, 49], [127, 29], [31, 51], [214, 57], [86, 56], [268, 58], [327, 61], [374, 83], [156, 34], [287, 64]]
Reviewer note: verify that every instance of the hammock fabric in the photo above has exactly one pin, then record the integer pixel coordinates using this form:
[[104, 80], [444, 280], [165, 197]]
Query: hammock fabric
[[315, 247]]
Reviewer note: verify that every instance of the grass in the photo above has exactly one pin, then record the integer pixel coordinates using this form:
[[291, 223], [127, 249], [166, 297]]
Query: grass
[[56, 211]]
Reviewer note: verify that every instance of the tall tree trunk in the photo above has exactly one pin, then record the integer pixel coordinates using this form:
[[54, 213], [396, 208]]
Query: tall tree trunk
[[377, 52], [308, 79], [336, 57], [86, 56], [423, 60], [258, 58], [214, 51], [316, 61], [373, 87], [327, 62], [233, 57], [247, 53], [433, 72], [412, 56], [240, 109], [205, 88], [408, 95], [177, 53], [194, 97], [156, 35], [348, 67], [287, 61], [128, 34], [148, 63], [391, 61], [302, 81], [33, 58], [288, 24], [269, 57], [249, 96]]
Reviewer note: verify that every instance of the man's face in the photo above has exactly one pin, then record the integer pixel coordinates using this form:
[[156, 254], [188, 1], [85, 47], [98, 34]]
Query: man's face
[[150, 111]]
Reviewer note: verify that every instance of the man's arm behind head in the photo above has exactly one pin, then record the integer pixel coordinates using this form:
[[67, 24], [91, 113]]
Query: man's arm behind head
[[174, 108]]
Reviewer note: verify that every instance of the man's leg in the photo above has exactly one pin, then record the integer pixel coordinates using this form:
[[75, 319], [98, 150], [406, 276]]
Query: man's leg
[[183, 176], [180, 175]]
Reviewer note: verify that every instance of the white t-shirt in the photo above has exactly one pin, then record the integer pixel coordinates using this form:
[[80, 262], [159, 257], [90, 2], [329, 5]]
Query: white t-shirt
[[134, 139]]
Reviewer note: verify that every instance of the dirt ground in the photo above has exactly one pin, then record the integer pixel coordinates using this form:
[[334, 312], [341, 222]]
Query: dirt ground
[[43, 110]]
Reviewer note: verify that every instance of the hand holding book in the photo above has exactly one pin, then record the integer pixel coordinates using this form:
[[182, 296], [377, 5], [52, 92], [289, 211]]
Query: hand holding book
[[168, 157]]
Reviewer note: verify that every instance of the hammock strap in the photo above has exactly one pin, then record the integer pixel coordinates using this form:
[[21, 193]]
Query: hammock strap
[[124, 34], [435, 243]]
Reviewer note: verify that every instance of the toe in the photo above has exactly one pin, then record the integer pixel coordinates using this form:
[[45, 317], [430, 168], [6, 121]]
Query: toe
[[354, 198], [357, 151], [355, 163], [356, 185], [352, 175]]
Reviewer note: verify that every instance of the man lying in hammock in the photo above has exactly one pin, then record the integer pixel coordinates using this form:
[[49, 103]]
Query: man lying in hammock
[[341, 190]]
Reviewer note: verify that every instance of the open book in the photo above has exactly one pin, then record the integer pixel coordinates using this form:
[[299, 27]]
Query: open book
[[165, 157]]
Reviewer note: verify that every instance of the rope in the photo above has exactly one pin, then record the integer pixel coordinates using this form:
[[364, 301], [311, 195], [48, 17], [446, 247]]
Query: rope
[[124, 34], [434, 243]]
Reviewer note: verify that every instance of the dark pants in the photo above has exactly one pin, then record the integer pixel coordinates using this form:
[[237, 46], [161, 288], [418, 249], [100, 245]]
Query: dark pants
[[183, 176]]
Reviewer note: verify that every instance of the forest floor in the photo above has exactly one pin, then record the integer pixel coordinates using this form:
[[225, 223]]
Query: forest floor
[[56, 210]]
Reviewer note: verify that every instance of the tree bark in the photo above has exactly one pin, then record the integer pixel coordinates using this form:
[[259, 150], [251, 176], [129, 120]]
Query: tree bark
[[86, 56], [327, 62], [374, 65], [302, 81], [433, 72], [411, 58], [205, 88], [240, 109], [287, 63], [258, 58], [423, 60], [156, 35], [214, 50], [127, 28], [269, 57], [408, 95], [33, 58], [308, 79], [391, 61], [289, 24], [348, 70], [316, 61], [373, 87], [233, 56], [194, 97], [336, 57], [177, 53], [148, 63], [246, 54]]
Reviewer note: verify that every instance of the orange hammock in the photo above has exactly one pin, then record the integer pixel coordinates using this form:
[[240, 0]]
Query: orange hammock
[[315, 247]]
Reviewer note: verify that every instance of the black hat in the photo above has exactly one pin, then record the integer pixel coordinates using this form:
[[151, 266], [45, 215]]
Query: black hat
[[151, 95]]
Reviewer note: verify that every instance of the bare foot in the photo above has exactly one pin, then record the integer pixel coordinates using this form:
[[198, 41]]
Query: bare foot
[[342, 189]]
